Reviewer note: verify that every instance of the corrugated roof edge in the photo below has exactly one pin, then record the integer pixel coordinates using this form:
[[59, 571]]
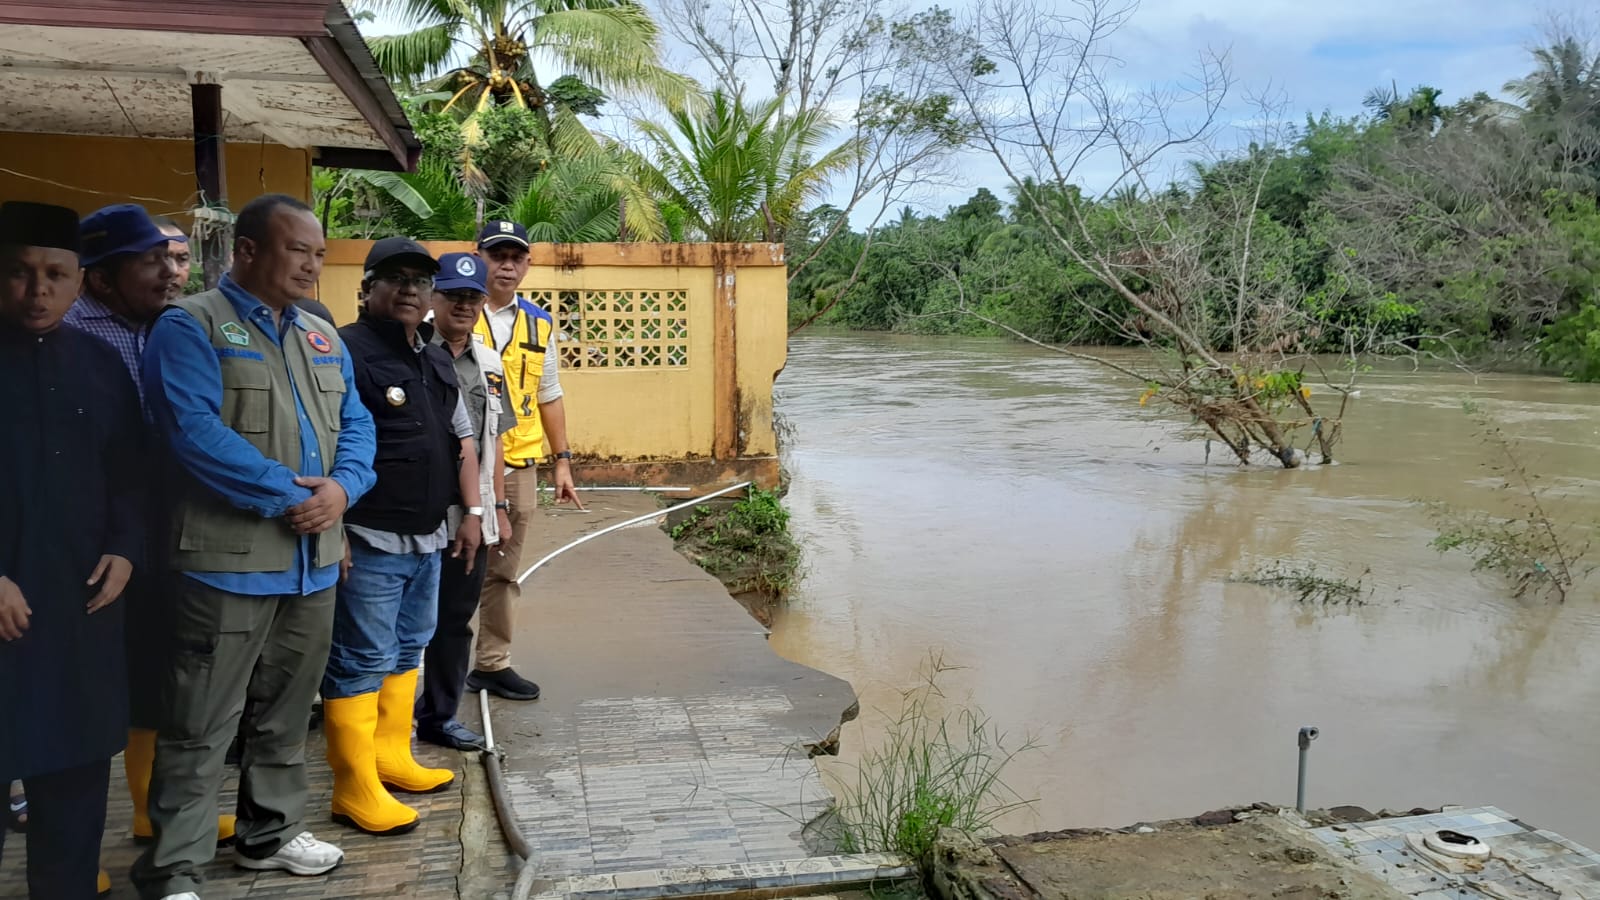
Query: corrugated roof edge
[[367, 87]]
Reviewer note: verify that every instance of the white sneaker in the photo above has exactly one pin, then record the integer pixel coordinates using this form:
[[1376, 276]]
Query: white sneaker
[[305, 855], [186, 895]]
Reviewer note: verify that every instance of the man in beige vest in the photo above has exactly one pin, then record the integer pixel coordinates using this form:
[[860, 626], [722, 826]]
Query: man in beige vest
[[255, 403]]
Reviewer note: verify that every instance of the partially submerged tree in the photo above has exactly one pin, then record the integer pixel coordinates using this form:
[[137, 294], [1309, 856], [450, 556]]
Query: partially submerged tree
[[1196, 271]]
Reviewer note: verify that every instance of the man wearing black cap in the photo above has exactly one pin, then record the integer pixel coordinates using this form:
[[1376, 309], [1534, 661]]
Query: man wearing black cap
[[523, 335], [71, 530], [388, 600]]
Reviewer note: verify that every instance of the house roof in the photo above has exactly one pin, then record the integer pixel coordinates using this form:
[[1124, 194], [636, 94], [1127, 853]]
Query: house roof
[[293, 72]]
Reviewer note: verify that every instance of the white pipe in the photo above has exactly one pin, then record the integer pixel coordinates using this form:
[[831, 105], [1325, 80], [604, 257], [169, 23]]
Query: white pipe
[[634, 521], [669, 490], [488, 726]]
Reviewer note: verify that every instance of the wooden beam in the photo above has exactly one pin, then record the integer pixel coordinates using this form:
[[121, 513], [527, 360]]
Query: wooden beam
[[273, 18], [364, 95], [209, 175]]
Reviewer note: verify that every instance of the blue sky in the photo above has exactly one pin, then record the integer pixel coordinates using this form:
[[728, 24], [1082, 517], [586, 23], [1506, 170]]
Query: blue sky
[[1317, 54]]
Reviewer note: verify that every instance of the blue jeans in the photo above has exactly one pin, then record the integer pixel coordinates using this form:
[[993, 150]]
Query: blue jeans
[[383, 619]]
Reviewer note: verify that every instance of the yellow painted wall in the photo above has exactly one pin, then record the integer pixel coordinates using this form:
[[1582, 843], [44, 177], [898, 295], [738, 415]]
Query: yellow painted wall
[[762, 332], [644, 413], [86, 173]]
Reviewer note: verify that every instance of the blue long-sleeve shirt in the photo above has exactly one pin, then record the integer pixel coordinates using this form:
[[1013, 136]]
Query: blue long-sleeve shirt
[[183, 387]]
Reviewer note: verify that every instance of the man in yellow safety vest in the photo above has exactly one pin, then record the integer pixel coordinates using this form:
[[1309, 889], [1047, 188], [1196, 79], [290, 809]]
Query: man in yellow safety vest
[[523, 335]]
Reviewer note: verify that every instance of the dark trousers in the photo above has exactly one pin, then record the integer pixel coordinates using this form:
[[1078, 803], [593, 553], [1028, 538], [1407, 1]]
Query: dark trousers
[[449, 653], [66, 816]]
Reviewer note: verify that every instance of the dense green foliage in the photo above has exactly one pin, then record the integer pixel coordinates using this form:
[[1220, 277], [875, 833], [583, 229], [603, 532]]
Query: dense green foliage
[[1469, 229]]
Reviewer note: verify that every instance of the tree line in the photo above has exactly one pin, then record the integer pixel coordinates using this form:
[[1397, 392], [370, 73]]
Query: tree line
[[1469, 230], [1464, 232]]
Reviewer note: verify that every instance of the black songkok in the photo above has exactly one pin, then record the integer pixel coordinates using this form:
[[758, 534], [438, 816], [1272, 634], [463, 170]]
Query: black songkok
[[38, 225]]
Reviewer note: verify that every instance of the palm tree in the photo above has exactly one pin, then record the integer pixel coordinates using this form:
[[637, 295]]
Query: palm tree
[[1566, 82], [740, 171], [612, 44], [1419, 110]]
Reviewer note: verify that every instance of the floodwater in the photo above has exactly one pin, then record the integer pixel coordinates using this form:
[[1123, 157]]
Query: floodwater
[[1018, 514]]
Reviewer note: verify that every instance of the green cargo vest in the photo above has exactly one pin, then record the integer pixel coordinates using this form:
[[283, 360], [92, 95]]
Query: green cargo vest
[[209, 534]]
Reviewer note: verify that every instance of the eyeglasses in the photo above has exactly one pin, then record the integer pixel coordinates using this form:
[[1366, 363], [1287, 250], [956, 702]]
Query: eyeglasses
[[420, 282], [466, 298]]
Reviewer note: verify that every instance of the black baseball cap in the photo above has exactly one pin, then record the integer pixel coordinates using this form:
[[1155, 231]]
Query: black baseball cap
[[399, 251], [502, 232]]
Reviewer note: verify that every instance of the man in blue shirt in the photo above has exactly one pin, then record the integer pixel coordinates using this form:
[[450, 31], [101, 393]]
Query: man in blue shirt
[[256, 404]]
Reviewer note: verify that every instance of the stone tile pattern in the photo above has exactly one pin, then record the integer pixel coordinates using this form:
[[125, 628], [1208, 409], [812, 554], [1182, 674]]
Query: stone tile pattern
[[645, 783], [1526, 862], [422, 865]]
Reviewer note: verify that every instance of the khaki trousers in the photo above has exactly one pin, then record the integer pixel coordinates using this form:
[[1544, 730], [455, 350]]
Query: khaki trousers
[[497, 611]]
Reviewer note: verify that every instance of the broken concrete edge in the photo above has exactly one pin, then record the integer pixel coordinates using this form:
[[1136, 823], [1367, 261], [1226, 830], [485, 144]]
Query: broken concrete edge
[[746, 881], [1311, 818]]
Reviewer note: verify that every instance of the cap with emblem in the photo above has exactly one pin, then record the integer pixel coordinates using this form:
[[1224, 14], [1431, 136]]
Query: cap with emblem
[[462, 272], [502, 232], [38, 225], [393, 252], [117, 230]]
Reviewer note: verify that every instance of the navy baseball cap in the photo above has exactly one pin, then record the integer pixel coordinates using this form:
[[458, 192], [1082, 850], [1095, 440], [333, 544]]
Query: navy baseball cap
[[115, 230], [462, 272], [502, 232], [399, 251]]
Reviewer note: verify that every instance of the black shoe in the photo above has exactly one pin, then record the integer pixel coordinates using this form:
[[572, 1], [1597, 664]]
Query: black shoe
[[452, 734], [504, 683]]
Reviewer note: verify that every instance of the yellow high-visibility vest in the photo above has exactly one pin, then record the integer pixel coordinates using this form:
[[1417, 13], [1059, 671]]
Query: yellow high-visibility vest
[[523, 356]]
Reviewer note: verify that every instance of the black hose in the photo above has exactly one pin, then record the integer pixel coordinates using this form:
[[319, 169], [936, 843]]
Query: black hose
[[502, 806]]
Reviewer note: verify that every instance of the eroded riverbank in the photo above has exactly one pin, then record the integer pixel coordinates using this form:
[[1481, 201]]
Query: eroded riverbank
[[1019, 513]]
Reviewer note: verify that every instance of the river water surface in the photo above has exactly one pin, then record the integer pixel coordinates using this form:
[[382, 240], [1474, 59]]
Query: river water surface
[[1018, 513]]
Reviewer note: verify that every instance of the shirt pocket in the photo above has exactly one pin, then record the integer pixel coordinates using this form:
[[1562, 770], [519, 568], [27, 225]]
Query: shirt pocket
[[330, 389], [246, 396]]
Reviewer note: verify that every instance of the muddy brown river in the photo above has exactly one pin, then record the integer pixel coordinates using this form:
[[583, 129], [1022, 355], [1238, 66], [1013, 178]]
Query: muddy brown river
[[1019, 514]]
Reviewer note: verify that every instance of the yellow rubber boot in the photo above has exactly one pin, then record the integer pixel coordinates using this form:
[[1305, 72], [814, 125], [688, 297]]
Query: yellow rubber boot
[[359, 799], [397, 768], [103, 885], [137, 761]]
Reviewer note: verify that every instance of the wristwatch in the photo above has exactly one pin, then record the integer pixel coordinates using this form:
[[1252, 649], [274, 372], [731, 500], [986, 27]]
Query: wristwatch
[[503, 504], [565, 454], [475, 511]]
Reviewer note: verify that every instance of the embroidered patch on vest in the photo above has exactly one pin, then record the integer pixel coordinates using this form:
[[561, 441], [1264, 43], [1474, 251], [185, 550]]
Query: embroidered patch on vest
[[496, 383], [319, 343], [235, 333]]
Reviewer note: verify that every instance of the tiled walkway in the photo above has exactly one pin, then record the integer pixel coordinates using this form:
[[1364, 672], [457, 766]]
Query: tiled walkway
[[669, 738], [422, 865], [670, 734]]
